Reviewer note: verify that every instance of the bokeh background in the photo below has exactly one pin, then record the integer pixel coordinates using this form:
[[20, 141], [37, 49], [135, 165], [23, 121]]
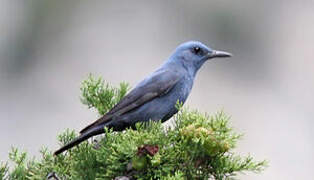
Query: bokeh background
[[48, 47]]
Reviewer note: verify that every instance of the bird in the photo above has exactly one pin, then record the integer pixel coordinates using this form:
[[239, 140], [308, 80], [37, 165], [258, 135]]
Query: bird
[[155, 97]]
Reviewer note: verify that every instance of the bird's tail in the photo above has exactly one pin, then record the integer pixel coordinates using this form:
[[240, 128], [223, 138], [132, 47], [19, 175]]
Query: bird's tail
[[92, 132]]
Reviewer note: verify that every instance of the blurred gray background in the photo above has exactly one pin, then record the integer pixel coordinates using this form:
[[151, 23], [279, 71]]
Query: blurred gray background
[[48, 47]]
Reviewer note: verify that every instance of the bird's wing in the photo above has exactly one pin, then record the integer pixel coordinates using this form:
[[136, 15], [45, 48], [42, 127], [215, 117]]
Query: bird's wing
[[156, 85]]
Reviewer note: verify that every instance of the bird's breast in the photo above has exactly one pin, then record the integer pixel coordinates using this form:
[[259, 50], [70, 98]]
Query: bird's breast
[[179, 92]]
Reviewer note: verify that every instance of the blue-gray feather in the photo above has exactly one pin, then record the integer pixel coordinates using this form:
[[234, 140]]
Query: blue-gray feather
[[156, 96]]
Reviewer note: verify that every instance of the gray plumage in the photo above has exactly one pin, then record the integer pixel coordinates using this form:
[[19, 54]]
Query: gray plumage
[[155, 97]]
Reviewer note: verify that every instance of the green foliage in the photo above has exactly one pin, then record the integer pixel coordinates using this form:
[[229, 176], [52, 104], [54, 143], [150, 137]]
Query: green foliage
[[197, 146], [4, 171], [100, 95]]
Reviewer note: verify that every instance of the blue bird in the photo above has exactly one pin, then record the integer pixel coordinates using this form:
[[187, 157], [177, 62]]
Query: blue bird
[[155, 97]]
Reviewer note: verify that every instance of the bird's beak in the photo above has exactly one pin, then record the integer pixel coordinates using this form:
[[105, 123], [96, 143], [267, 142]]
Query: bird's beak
[[216, 53]]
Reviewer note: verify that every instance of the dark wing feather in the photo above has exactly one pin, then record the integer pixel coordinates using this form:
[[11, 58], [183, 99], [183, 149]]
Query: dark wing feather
[[158, 84]]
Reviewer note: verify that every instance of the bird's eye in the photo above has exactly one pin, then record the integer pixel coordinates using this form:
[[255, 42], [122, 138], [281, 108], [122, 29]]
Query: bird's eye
[[196, 50]]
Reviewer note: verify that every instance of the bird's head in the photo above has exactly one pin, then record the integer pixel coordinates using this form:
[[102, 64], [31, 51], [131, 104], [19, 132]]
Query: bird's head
[[193, 54]]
